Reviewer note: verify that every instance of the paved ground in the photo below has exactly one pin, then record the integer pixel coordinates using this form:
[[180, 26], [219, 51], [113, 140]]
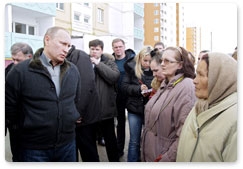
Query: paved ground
[[101, 150]]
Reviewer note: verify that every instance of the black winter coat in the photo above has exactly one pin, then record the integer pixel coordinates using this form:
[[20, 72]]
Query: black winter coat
[[88, 104], [45, 120], [130, 84]]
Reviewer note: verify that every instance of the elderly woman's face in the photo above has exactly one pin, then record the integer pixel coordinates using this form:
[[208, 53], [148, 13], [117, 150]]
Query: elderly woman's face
[[201, 81]]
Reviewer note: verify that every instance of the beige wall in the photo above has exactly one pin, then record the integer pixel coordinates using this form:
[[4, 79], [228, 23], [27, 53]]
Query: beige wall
[[100, 28], [64, 18]]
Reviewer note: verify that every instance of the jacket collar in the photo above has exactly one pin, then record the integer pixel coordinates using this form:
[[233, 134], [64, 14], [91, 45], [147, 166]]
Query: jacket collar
[[35, 62]]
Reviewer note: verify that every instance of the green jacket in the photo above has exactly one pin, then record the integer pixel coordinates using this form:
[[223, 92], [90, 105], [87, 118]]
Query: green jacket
[[212, 135]]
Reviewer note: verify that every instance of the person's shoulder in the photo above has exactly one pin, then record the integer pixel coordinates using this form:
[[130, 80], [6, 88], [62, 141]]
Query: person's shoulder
[[129, 65], [9, 66], [130, 53], [187, 84], [109, 56]]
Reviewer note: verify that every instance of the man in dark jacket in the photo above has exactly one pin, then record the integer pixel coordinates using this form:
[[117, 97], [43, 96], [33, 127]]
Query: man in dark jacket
[[20, 51], [41, 95], [88, 107], [106, 76], [121, 56]]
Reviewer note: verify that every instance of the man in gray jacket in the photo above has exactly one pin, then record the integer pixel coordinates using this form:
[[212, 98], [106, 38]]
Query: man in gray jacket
[[40, 99]]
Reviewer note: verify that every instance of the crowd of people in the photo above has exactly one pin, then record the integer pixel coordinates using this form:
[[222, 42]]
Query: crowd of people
[[60, 99]]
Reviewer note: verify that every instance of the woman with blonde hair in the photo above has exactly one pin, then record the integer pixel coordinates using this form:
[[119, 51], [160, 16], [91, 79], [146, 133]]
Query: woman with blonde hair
[[136, 81]]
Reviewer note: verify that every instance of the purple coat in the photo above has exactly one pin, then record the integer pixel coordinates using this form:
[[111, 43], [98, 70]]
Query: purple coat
[[165, 114]]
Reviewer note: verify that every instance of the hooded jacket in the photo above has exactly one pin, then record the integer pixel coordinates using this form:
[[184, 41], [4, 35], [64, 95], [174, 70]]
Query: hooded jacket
[[44, 119], [129, 53], [210, 130], [132, 86]]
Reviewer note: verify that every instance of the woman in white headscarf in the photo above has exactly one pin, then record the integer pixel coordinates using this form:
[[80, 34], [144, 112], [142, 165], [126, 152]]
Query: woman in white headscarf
[[209, 133]]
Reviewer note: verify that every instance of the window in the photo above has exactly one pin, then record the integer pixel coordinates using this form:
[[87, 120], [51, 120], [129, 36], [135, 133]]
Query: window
[[156, 12], [156, 21], [60, 6], [76, 17], [156, 4], [31, 30], [86, 4], [156, 38], [20, 28], [100, 15], [86, 19], [156, 29], [23, 28]]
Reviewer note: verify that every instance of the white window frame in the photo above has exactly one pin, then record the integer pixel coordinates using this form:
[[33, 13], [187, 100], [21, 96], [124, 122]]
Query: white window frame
[[26, 28], [156, 29], [60, 6], [156, 12], [156, 38], [156, 21], [100, 15]]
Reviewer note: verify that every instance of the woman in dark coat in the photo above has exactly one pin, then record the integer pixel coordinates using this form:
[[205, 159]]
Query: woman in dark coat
[[137, 80]]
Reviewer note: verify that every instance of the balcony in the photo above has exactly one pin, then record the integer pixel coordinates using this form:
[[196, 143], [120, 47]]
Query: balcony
[[138, 33], [139, 9]]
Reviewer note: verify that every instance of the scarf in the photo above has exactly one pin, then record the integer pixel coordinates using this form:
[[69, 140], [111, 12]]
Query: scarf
[[222, 80]]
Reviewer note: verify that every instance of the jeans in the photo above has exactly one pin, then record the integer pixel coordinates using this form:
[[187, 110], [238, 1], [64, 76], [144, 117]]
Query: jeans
[[135, 127], [66, 153]]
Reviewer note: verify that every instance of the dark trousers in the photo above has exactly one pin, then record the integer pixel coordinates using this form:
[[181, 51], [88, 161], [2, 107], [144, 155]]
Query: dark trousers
[[86, 143], [14, 143], [121, 124], [108, 130]]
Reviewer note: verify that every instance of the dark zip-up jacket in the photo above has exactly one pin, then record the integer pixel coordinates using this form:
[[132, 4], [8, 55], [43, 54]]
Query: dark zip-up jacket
[[44, 119]]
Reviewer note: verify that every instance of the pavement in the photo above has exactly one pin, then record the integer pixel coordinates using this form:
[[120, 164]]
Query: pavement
[[101, 149]]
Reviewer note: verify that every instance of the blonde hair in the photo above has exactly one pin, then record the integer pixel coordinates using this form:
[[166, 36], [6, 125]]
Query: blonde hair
[[155, 84], [138, 58]]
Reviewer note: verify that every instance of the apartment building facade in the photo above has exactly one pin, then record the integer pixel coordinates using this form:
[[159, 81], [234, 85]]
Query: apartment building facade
[[164, 22], [138, 24], [27, 22]]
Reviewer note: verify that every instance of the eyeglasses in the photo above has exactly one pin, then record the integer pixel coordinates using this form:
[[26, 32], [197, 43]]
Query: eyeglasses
[[118, 47], [166, 61]]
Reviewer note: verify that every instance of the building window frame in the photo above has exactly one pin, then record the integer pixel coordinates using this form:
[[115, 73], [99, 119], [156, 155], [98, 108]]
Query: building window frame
[[60, 6], [156, 38], [23, 28], [86, 19], [156, 29], [76, 16], [100, 15]]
